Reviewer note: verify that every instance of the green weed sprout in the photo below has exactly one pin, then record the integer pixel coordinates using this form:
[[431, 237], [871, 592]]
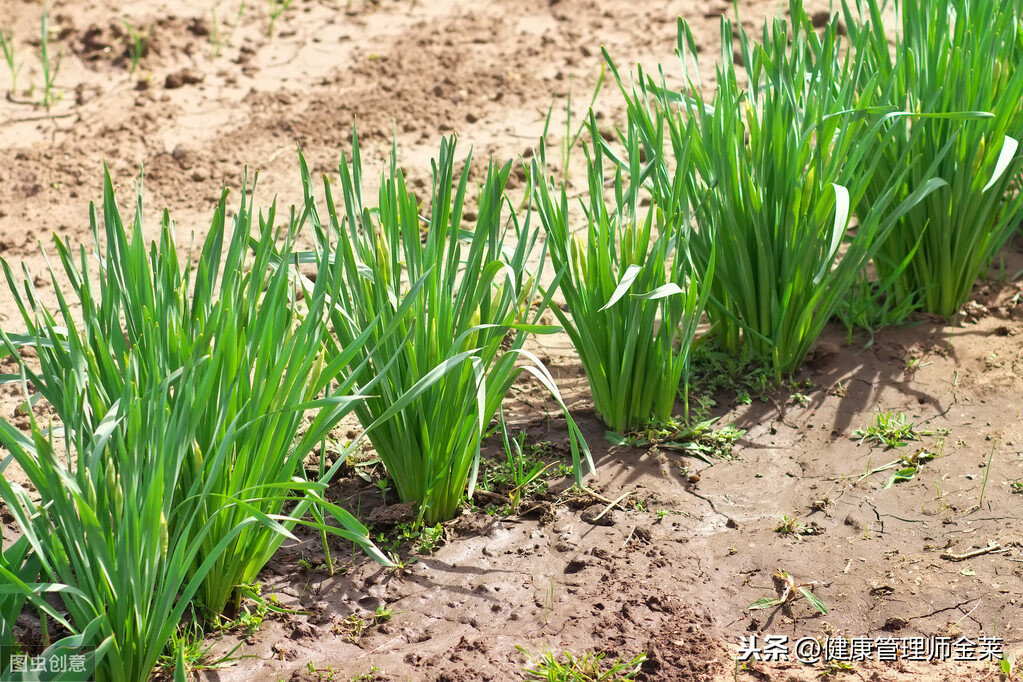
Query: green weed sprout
[[7, 47], [137, 47], [50, 66], [275, 10], [589, 667]]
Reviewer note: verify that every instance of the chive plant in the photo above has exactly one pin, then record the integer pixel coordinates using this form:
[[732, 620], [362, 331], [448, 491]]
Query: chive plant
[[19, 570], [461, 298], [778, 164], [954, 60], [180, 404], [628, 281], [107, 528]]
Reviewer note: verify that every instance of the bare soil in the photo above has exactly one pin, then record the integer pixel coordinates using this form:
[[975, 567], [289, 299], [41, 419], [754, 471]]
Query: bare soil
[[672, 569]]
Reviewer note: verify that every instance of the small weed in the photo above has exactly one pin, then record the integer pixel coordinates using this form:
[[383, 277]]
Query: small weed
[[383, 485], [424, 539], [792, 526], [430, 538], [835, 667], [50, 67], [699, 440], [137, 47], [217, 38], [185, 652], [217, 41], [914, 363], [590, 667], [523, 470], [1017, 485], [987, 472], [7, 46], [791, 591], [366, 676], [838, 390], [185, 646], [907, 466], [892, 431], [276, 9], [525, 473], [1009, 671], [713, 371], [354, 626], [322, 674], [664, 513], [940, 497]]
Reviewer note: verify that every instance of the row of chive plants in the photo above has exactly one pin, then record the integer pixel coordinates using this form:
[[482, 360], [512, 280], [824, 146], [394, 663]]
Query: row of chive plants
[[175, 471], [920, 146]]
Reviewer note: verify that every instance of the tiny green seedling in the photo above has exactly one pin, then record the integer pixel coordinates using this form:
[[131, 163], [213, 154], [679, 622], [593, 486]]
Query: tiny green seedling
[[791, 591], [383, 485], [354, 626], [425, 539], [792, 526], [908, 466], [1008, 670], [890, 430], [50, 67], [524, 470], [366, 676], [914, 363], [987, 472], [137, 47], [590, 667], [430, 538], [276, 9], [835, 667], [7, 46], [699, 440], [322, 674], [186, 653]]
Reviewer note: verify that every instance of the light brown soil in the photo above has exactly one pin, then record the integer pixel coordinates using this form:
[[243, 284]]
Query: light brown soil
[[675, 585]]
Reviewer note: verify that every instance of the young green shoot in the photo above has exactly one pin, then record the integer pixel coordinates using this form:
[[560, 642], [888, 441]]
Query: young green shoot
[[987, 473], [50, 66], [589, 667], [889, 430], [137, 47], [7, 47], [275, 9], [791, 591]]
